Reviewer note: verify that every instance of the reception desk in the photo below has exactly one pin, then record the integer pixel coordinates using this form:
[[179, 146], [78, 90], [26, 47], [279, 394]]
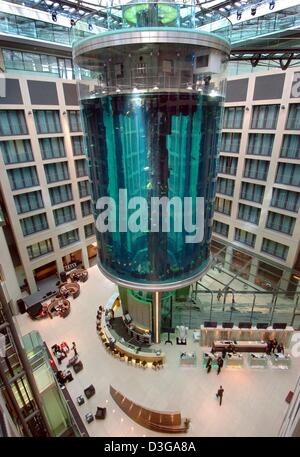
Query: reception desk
[[209, 335], [234, 360], [187, 359], [257, 360], [281, 361], [240, 346]]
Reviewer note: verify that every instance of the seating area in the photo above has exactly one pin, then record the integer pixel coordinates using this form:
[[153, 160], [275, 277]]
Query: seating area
[[100, 412], [67, 289], [131, 358], [80, 274], [59, 307]]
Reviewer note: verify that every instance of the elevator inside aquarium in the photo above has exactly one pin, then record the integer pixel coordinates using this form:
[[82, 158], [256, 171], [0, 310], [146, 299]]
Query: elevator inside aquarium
[[152, 108]]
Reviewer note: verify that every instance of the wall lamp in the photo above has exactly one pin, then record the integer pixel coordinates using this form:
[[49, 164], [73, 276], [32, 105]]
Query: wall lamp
[[29, 113], [239, 15], [54, 17], [64, 113], [272, 5], [253, 11], [72, 22], [90, 27]]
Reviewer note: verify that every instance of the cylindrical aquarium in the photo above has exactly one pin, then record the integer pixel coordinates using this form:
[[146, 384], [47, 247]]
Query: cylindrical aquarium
[[152, 90]]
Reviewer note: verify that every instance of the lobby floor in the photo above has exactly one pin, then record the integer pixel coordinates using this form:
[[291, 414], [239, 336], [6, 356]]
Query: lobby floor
[[253, 403]]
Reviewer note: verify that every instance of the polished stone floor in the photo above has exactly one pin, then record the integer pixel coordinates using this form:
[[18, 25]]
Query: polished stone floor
[[254, 399]]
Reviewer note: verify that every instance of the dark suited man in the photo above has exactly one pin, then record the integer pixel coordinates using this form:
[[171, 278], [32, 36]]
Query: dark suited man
[[219, 394]]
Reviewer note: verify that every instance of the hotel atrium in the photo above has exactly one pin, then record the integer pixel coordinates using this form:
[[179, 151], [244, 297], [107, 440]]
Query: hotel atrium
[[149, 218]]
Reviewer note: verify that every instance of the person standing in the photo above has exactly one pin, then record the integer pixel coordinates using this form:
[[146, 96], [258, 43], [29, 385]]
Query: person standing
[[74, 348], [219, 394], [219, 295], [220, 364]]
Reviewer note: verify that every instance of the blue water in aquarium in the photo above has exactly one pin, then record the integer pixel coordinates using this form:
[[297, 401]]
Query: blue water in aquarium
[[163, 144]]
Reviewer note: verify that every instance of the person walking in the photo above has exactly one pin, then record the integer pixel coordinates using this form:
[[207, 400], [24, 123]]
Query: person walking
[[74, 348], [208, 364], [220, 364], [219, 394]]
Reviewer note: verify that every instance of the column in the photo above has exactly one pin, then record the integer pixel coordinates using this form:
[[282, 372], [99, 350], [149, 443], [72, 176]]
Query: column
[[156, 316], [253, 269], [228, 257], [85, 257], [285, 279]]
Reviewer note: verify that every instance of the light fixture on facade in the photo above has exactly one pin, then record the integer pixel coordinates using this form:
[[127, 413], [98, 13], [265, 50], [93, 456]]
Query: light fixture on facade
[[239, 15], [253, 11], [272, 5], [54, 17]]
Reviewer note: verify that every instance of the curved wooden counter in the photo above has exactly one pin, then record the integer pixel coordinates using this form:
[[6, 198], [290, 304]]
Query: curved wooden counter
[[131, 350], [161, 421]]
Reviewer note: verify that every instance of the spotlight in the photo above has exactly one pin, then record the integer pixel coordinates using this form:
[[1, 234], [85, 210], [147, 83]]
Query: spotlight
[[272, 5], [72, 22], [54, 17], [239, 15], [253, 11]]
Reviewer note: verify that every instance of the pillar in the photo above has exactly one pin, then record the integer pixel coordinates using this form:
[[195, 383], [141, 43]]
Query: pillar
[[156, 316]]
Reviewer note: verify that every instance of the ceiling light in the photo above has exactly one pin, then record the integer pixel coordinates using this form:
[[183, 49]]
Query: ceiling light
[[155, 87], [238, 4], [272, 5], [48, 3], [118, 90], [253, 11], [189, 87]]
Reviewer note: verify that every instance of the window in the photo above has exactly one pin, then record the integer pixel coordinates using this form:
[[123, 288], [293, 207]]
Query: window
[[256, 169], [86, 208], [74, 121], [252, 192], [233, 117], [280, 223], [293, 121], [230, 142], [30, 201], [220, 228], [39, 249], [20, 178], [52, 148], [242, 236], [290, 147], [260, 144], [16, 151], [223, 206], [47, 121], [286, 199], [225, 186], [276, 249], [77, 143], [228, 165], [89, 230], [64, 215], [56, 172], [265, 117], [61, 194], [84, 188], [34, 224], [12, 122], [81, 169], [68, 238], [288, 173], [249, 213]]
